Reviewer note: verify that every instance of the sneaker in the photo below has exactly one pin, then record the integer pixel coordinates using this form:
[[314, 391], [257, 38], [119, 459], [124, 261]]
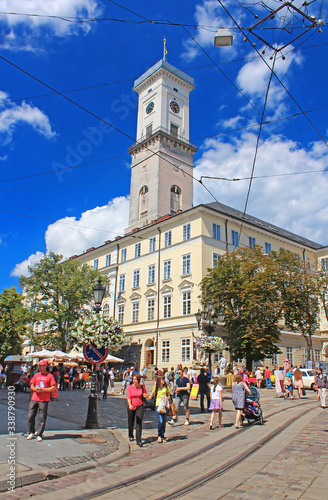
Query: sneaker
[[171, 422], [186, 422], [39, 438], [30, 436]]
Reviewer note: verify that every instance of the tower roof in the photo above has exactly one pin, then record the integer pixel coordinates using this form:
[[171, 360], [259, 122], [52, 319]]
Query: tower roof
[[164, 64]]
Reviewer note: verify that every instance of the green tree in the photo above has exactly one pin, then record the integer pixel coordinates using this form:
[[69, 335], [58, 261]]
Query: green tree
[[243, 286], [13, 318], [59, 292]]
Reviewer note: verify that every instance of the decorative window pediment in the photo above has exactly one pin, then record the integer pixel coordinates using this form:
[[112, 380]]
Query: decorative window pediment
[[135, 296], [166, 289], [186, 285], [150, 293]]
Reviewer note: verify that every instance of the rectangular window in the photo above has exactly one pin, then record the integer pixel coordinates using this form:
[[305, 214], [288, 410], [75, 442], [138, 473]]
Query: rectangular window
[[121, 283], [95, 263], [235, 238], [149, 130], [186, 303], [185, 350], [137, 249], [150, 309], [108, 259], [151, 275], [165, 351], [174, 130], [167, 306], [186, 232], [251, 241], [123, 255], [289, 355], [186, 264], [167, 269], [152, 244], [316, 354], [267, 247], [43, 327], [136, 278], [168, 238], [120, 315], [216, 232], [274, 359], [135, 312], [216, 257]]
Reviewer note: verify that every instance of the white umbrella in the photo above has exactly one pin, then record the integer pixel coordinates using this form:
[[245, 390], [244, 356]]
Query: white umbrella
[[15, 358], [75, 355], [41, 354], [60, 355], [114, 359]]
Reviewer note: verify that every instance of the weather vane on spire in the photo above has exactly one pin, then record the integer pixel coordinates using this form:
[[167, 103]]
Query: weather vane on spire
[[165, 51]]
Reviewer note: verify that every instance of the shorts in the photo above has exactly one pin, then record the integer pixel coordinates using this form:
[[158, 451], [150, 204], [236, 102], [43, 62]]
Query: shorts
[[182, 399]]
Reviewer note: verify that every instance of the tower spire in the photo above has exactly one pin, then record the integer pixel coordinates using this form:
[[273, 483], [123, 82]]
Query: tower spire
[[164, 51]]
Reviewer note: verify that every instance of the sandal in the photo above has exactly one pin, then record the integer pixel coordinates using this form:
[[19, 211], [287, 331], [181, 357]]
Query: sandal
[[159, 440]]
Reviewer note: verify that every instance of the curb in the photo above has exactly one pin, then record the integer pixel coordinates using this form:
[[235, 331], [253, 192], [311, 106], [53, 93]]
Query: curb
[[43, 474]]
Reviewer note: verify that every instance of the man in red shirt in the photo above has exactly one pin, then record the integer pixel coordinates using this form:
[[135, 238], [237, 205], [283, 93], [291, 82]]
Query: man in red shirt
[[267, 375], [42, 384]]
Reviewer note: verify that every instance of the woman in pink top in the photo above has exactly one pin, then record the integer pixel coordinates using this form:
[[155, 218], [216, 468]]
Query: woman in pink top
[[136, 393]]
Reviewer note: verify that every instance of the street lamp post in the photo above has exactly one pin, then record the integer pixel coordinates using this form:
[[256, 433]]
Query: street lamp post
[[92, 417], [207, 321]]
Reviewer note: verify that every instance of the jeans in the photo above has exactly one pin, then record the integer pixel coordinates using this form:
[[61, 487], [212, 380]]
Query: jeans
[[161, 423], [268, 383], [34, 406]]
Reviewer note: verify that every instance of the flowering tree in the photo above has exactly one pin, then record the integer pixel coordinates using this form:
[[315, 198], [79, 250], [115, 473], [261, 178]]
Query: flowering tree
[[94, 329]]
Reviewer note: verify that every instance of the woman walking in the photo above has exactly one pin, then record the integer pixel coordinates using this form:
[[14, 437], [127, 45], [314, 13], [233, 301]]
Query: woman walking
[[321, 380], [161, 393], [136, 394], [238, 397], [288, 383], [298, 382], [216, 401]]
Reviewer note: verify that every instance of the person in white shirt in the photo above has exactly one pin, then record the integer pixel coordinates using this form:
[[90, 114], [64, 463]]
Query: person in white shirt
[[216, 372], [216, 401], [111, 380], [222, 364], [258, 376], [191, 375]]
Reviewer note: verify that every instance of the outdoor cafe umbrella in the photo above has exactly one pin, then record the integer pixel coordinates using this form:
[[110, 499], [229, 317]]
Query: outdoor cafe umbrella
[[60, 355], [41, 354], [114, 359], [15, 358]]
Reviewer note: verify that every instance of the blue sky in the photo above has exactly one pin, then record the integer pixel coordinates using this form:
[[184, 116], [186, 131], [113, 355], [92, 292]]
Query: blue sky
[[65, 175]]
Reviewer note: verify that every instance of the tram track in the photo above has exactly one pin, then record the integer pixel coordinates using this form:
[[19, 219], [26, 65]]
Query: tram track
[[210, 476]]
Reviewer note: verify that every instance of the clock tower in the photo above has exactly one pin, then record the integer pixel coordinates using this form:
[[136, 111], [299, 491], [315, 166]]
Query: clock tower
[[162, 156]]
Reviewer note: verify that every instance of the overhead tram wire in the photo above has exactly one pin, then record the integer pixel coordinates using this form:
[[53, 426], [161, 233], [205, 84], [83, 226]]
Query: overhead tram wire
[[276, 76]]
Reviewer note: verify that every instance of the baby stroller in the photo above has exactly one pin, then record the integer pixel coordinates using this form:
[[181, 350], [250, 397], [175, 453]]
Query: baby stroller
[[252, 410]]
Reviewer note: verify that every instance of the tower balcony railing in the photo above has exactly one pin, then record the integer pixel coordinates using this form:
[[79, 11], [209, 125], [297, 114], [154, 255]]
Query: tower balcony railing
[[167, 132]]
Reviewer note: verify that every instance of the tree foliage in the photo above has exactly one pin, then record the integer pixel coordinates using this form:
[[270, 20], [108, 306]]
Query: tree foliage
[[59, 292], [255, 291], [13, 318]]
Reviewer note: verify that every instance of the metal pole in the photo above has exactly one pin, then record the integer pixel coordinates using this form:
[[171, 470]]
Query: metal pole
[[92, 417]]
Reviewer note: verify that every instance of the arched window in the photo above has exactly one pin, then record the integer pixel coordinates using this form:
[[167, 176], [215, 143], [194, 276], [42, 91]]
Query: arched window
[[175, 199], [143, 201], [105, 310]]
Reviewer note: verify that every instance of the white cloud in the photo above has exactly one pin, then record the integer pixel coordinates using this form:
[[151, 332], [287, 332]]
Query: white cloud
[[22, 267], [70, 236], [12, 115], [62, 8], [297, 203]]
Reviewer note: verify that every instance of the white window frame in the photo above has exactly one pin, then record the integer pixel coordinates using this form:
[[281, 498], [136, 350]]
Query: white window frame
[[317, 353], [289, 355], [135, 312], [137, 250], [185, 350], [152, 244], [150, 309], [108, 259], [151, 274], [216, 257], [105, 310], [186, 231], [167, 269], [121, 283], [136, 278], [186, 302], [165, 351], [216, 231], [167, 306], [168, 238], [123, 255], [186, 264], [120, 313], [95, 264]]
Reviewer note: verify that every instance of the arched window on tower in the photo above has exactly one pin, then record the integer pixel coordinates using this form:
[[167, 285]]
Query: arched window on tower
[[143, 202], [175, 199]]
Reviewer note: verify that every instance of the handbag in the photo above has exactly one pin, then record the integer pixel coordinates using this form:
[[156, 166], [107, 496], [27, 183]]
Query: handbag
[[287, 381], [303, 392], [172, 411]]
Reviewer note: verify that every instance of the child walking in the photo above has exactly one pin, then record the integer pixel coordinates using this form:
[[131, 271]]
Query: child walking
[[216, 401]]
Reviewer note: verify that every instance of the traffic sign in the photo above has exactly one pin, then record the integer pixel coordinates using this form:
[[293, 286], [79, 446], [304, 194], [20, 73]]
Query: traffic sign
[[94, 354]]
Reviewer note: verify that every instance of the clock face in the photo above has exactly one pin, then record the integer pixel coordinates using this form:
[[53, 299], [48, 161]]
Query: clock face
[[174, 107], [150, 107]]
